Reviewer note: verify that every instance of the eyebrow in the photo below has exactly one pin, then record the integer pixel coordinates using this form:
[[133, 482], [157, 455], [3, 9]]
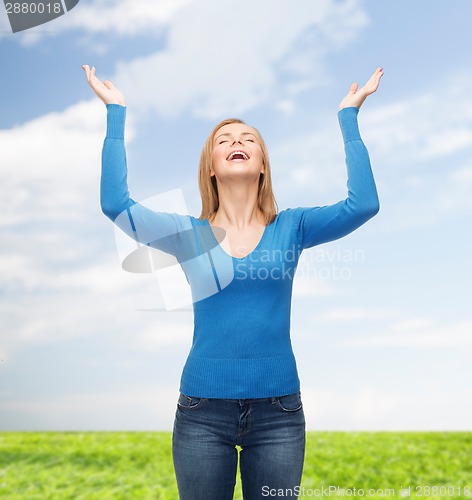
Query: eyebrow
[[228, 133]]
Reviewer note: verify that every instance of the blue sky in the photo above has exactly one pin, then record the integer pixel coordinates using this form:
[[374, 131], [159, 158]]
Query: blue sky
[[381, 327]]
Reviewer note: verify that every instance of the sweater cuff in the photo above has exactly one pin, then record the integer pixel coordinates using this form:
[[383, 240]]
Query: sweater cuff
[[116, 115], [348, 121]]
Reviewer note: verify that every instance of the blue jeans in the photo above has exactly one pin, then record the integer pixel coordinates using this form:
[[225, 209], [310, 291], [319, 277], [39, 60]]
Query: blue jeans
[[270, 432]]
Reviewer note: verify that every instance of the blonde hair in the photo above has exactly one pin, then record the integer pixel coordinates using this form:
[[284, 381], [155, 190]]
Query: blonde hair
[[208, 186]]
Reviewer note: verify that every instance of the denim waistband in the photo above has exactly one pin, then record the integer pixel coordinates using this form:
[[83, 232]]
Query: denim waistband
[[271, 399], [253, 400]]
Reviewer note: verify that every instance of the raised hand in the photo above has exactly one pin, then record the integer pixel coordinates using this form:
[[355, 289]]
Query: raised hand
[[355, 97], [106, 91]]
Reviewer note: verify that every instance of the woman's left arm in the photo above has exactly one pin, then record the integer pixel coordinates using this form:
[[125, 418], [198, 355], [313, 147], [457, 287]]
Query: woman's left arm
[[318, 225]]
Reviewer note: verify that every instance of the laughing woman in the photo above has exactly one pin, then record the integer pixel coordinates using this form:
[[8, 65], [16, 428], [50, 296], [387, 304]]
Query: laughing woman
[[239, 385]]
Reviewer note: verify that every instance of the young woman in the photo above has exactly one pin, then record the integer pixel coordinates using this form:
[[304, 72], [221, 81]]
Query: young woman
[[239, 385]]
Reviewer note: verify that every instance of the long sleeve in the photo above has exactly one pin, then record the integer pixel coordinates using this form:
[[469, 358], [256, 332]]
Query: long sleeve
[[316, 225], [114, 195], [142, 224]]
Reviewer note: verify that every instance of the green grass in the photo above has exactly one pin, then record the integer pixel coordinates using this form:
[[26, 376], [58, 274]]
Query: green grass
[[127, 465]]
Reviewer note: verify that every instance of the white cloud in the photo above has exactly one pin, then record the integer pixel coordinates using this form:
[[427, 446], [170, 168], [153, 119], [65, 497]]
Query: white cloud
[[320, 268], [4, 358], [419, 128], [397, 329], [50, 166], [355, 313], [371, 408], [454, 197], [123, 17], [428, 198], [306, 287], [143, 408], [84, 300], [419, 146], [4, 23], [416, 333], [368, 408], [311, 162], [172, 330], [211, 69], [60, 270], [404, 136], [112, 17], [412, 325]]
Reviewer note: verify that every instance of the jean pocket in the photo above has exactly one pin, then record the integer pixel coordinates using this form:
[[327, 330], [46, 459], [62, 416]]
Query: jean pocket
[[290, 402], [189, 402]]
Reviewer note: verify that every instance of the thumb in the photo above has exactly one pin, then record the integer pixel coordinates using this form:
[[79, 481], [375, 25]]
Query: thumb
[[353, 88], [108, 84]]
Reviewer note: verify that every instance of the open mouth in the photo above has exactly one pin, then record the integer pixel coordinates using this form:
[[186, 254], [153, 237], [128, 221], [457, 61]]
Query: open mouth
[[237, 156]]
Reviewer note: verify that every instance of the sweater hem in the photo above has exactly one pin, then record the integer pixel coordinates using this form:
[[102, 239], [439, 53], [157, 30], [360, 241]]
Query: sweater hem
[[237, 378]]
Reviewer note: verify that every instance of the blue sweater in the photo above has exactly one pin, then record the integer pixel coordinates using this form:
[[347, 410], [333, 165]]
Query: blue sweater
[[241, 341]]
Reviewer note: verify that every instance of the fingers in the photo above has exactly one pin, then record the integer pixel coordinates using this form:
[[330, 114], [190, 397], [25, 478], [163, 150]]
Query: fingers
[[373, 83], [90, 73], [377, 76], [106, 91], [93, 81], [86, 68], [378, 73], [92, 76]]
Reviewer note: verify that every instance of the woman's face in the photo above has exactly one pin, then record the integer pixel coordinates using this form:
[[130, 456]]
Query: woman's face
[[237, 152]]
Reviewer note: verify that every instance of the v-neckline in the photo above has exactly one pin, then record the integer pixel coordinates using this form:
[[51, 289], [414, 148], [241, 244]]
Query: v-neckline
[[232, 256]]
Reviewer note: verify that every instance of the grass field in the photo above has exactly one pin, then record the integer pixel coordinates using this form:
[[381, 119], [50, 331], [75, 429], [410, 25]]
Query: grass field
[[128, 465]]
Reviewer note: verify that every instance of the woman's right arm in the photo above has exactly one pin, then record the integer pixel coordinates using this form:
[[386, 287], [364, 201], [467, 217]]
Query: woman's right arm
[[114, 195], [141, 223], [158, 229]]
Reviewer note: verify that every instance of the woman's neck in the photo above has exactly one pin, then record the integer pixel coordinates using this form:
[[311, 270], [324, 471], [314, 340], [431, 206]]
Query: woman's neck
[[238, 206]]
